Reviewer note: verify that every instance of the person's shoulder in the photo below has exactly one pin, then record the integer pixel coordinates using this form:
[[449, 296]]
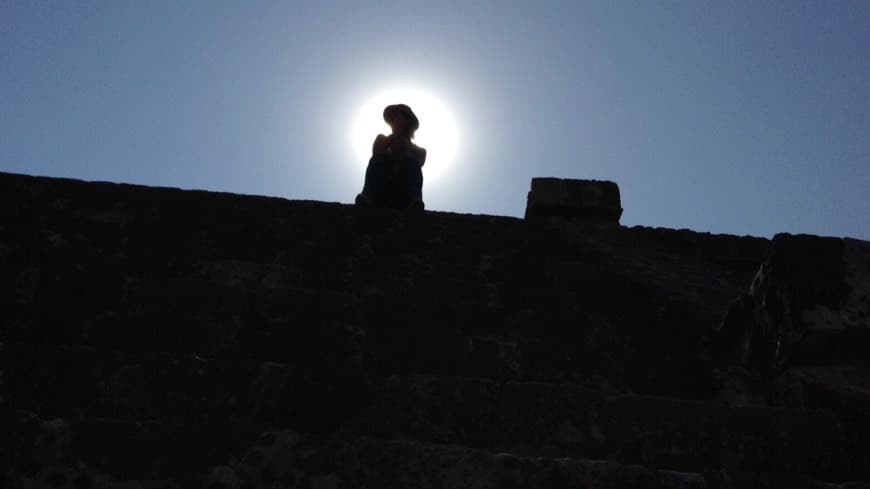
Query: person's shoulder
[[380, 143], [419, 153]]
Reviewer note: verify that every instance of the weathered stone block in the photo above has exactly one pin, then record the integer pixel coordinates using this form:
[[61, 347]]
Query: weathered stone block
[[588, 200], [810, 294]]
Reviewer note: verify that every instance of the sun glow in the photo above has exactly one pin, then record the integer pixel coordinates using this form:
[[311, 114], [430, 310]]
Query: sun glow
[[437, 132]]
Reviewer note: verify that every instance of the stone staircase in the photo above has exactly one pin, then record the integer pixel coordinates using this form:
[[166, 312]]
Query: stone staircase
[[155, 337]]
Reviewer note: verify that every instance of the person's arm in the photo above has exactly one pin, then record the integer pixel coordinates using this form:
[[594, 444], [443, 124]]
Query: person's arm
[[420, 155], [380, 145]]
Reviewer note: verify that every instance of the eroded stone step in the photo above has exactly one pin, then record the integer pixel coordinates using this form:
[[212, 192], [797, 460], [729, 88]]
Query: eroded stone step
[[522, 417], [55, 381], [378, 463], [647, 347], [114, 453], [560, 420], [57, 451]]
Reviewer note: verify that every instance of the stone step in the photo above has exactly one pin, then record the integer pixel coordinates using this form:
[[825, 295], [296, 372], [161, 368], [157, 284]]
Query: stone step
[[665, 433], [112, 453], [527, 418], [411, 464], [646, 347], [104, 452]]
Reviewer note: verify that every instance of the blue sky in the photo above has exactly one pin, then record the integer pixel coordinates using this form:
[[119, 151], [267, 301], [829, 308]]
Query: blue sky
[[747, 117]]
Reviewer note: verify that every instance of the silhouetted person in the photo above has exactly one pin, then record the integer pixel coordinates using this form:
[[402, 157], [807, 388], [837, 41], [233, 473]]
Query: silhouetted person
[[394, 177]]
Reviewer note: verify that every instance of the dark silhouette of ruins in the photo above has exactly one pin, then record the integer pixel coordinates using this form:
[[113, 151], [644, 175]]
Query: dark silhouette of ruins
[[154, 337]]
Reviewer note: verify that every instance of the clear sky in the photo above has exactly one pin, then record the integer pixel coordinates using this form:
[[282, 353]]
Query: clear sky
[[745, 117]]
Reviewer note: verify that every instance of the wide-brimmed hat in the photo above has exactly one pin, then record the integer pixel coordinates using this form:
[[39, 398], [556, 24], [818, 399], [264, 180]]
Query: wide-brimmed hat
[[391, 110]]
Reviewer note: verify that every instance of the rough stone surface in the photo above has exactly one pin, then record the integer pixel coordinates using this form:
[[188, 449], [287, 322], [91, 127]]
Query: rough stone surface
[[809, 303], [155, 337], [590, 201]]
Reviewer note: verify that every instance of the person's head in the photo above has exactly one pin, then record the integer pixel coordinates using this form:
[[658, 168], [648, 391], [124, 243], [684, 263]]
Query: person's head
[[401, 119]]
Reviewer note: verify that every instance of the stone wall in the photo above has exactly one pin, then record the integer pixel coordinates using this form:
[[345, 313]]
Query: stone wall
[[155, 337]]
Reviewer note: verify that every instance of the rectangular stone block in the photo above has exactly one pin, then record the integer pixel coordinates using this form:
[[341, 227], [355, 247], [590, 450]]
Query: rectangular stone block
[[586, 200]]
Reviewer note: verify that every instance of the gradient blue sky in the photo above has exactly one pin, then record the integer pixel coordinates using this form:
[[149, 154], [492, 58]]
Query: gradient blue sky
[[748, 117]]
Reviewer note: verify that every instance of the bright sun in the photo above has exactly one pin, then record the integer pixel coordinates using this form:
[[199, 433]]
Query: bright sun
[[437, 132]]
